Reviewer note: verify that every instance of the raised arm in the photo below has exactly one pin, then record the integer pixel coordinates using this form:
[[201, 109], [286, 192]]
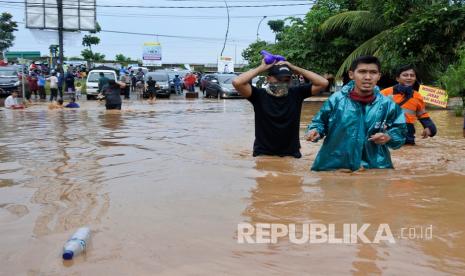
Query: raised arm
[[242, 82], [318, 82]]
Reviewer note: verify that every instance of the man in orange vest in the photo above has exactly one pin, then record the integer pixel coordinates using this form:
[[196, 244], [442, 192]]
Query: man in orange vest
[[411, 103]]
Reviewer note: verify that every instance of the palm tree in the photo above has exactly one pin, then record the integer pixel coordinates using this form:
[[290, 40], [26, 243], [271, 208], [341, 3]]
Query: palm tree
[[377, 21], [360, 22]]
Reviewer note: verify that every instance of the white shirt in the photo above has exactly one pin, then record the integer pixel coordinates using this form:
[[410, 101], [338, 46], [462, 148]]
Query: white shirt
[[10, 101], [53, 82]]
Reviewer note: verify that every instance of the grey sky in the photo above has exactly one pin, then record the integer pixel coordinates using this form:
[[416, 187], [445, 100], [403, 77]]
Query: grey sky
[[210, 23]]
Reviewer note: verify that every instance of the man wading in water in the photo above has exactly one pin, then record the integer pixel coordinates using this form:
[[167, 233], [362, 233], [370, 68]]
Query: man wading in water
[[278, 107], [359, 123]]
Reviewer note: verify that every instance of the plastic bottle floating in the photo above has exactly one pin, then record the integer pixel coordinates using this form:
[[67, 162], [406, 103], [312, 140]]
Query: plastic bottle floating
[[77, 243]]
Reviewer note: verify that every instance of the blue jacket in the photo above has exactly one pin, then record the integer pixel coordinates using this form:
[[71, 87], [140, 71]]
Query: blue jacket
[[347, 126]]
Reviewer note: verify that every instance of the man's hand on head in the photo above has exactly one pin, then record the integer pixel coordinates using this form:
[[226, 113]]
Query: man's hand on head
[[265, 67]]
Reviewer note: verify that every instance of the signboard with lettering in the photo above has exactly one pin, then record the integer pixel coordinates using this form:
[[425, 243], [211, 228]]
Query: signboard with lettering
[[434, 95], [152, 54]]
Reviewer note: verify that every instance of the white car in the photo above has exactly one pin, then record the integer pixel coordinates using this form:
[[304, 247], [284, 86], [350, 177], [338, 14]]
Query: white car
[[92, 81]]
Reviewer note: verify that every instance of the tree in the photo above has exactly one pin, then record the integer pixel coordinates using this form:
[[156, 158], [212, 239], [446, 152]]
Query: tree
[[7, 27], [453, 78], [88, 41], [91, 56], [302, 42], [277, 26], [387, 25], [122, 59], [252, 53]]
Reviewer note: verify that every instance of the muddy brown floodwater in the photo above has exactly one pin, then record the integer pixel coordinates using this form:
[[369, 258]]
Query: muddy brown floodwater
[[164, 187]]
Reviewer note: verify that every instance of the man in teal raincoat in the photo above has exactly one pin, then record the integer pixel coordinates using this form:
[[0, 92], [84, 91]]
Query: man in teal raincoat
[[358, 123]]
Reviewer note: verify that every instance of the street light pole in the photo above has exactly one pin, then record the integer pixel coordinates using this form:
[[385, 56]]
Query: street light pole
[[227, 29], [258, 28]]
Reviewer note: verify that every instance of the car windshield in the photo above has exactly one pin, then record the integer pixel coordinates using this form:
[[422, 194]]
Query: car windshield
[[226, 79], [158, 77], [94, 76], [7, 72]]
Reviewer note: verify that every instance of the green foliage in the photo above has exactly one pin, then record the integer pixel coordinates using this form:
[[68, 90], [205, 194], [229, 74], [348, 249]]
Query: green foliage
[[453, 79], [89, 40], [354, 21], [7, 28], [91, 56], [424, 33], [458, 111], [276, 26], [121, 58], [428, 39], [302, 42], [252, 53]]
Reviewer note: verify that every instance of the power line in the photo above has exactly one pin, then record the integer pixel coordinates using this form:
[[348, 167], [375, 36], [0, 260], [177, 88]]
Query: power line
[[91, 6], [173, 36]]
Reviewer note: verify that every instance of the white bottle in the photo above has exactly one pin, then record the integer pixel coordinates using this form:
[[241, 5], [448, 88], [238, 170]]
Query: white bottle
[[77, 243]]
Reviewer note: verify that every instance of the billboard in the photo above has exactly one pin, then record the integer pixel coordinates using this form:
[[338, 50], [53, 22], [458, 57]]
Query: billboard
[[225, 65], [151, 55], [78, 15]]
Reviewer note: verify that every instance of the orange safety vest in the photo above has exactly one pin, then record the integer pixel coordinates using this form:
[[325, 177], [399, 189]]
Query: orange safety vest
[[414, 108]]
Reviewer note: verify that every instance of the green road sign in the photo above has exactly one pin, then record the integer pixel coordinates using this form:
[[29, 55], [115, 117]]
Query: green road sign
[[24, 54]]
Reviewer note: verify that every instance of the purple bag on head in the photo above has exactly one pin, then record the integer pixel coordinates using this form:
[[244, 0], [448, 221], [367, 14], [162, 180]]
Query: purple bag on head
[[270, 58]]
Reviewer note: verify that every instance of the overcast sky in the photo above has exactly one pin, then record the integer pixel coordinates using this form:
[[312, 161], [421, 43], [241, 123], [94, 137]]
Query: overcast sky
[[204, 23]]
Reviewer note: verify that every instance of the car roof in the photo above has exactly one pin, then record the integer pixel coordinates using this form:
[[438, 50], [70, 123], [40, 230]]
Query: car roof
[[157, 73], [103, 71]]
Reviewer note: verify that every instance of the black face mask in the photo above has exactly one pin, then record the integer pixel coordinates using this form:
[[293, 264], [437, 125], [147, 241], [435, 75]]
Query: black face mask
[[280, 89]]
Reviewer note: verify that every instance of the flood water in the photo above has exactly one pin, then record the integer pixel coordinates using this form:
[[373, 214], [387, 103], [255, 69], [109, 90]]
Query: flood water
[[163, 188]]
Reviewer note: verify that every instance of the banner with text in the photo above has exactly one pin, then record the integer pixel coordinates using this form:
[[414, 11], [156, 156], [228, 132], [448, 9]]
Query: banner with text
[[152, 54], [434, 95]]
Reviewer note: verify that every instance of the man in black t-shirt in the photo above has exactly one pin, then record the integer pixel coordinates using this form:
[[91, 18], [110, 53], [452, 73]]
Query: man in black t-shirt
[[278, 106]]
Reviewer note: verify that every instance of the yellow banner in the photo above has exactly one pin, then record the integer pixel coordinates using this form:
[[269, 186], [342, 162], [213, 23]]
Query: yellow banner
[[434, 95]]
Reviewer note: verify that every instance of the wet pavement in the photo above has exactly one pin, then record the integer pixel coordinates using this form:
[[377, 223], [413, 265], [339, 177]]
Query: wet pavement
[[164, 186]]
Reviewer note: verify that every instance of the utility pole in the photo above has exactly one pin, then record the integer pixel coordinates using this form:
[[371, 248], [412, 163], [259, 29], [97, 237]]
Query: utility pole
[[61, 56]]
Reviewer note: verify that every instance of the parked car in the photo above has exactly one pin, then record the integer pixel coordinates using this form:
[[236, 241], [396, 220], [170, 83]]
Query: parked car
[[92, 81], [205, 79], [220, 86], [163, 80], [9, 80]]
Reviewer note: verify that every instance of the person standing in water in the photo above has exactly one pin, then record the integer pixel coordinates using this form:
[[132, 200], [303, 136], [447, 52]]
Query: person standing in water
[[53, 87], [278, 107], [112, 94], [411, 103], [358, 123], [151, 89]]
